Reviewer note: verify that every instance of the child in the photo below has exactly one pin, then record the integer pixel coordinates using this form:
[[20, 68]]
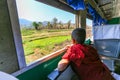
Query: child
[[84, 59]]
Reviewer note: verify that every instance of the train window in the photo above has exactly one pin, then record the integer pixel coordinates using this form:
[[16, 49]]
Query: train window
[[89, 34], [44, 29]]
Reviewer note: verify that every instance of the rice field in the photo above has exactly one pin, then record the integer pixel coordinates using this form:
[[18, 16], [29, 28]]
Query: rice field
[[37, 44]]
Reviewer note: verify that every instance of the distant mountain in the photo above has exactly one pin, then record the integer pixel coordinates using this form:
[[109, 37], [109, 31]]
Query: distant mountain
[[25, 23], [28, 24]]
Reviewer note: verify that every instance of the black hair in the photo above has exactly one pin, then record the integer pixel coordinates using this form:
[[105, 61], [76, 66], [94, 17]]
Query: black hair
[[79, 35]]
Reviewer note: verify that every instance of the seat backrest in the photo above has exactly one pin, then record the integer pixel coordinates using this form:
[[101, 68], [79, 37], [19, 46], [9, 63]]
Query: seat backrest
[[107, 42], [67, 74], [108, 47], [6, 76]]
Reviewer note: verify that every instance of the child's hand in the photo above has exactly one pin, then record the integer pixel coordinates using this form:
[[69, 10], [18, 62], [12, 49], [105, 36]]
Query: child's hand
[[68, 46]]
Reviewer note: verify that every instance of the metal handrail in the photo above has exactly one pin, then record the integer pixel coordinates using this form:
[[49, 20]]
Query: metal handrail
[[109, 58]]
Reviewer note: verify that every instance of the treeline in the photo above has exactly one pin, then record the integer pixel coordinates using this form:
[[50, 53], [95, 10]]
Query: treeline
[[54, 24]]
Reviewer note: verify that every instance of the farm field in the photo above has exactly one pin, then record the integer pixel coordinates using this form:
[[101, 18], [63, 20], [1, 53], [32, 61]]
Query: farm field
[[38, 43]]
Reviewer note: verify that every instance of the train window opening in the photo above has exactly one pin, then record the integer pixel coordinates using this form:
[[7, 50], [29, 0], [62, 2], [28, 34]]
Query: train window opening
[[44, 29], [89, 34]]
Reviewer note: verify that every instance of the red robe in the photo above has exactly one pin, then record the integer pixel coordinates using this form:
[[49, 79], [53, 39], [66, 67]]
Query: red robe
[[86, 63]]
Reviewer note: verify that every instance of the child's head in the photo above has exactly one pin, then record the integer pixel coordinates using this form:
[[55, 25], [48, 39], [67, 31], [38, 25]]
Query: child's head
[[78, 35]]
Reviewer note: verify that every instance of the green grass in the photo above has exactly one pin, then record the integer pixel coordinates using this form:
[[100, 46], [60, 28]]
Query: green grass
[[26, 32], [39, 43], [31, 35], [45, 44]]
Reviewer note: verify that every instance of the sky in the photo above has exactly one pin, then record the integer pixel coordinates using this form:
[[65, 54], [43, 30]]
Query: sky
[[35, 11]]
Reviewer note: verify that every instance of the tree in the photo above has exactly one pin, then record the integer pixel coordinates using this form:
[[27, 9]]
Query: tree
[[60, 24], [40, 25], [36, 25], [69, 24], [55, 22], [49, 25]]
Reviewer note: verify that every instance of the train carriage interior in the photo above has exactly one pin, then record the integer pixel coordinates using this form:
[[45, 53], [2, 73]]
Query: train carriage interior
[[105, 15]]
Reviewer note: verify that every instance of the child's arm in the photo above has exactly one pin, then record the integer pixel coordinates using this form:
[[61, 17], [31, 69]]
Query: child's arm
[[63, 64]]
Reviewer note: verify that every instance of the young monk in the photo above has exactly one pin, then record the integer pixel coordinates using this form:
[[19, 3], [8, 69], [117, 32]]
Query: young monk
[[84, 59]]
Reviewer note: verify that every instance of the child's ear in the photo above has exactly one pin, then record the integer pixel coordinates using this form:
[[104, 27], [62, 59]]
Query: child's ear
[[73, 41]]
